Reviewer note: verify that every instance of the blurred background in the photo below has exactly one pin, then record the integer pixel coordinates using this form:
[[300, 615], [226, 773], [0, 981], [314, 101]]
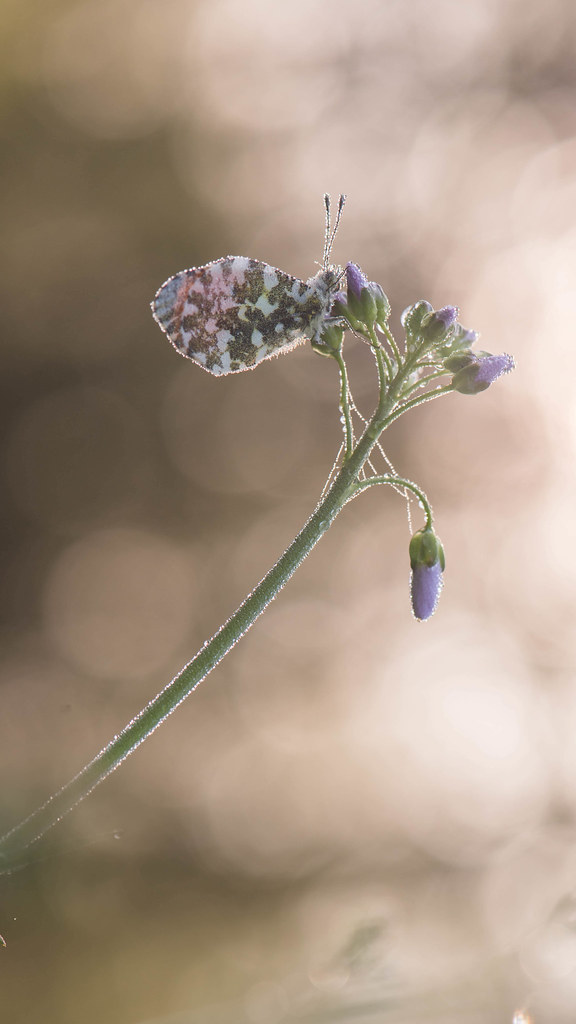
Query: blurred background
[[357, 816]]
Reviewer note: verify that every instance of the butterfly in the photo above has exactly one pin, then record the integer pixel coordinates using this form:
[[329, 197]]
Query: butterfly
[[231, 314]]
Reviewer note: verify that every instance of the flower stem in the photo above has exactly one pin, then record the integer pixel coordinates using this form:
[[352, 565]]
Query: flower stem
[[345, 405], [13, 844], [419, 400], [392, 343], [398, 481]]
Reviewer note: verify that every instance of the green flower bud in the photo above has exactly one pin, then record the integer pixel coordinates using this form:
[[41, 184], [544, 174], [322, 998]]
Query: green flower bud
[[330, 339], [458, 361], [382, 303], [426, 549], [363, 308], [413, 316], [341, 310]]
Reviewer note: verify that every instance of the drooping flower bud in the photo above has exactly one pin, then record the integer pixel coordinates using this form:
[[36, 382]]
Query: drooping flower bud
[[427, 564], [480, 372]]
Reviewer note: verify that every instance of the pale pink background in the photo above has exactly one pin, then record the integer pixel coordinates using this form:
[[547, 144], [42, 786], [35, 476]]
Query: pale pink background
[[346, 768]]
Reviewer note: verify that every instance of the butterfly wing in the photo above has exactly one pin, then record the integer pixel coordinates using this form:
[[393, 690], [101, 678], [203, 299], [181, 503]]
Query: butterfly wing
[[230, 314]]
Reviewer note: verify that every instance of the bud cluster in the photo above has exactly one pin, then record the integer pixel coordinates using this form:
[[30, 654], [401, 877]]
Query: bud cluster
[[363, 304], [436, 345], [449, 344]]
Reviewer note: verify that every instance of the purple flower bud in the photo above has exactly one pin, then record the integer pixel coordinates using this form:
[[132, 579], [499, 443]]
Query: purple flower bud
[[356, 280], [340, 310], [427, 565], [481, 372], [448, 315], [465, 337], [426, 584], [457, 344], [366, 301], [436, 326]]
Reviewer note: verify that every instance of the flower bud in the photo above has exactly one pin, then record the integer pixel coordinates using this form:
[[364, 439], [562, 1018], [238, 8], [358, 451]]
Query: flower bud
[[356, 280], [382, 303], [413, 316], [368, 308], [360, 302], [458, 341], [458, 361], [437, 324], [426, 549], [464, 337], [481, 372], [338, 304], [366, 301], [427, 564], [340, 310], [330, 340]]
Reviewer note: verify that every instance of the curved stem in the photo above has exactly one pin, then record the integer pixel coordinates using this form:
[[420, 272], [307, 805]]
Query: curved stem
[[398, 481], [345, 485], [185, 682]]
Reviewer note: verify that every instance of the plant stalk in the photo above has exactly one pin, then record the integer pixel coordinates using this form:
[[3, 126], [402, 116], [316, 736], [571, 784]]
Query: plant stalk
[[15, 842]]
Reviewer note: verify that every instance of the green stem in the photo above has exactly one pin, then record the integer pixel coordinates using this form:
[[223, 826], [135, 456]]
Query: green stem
[[37, 824], [398, 481], [392, 343], [401, 409], [345, 405], [423, 381], [383, 362]]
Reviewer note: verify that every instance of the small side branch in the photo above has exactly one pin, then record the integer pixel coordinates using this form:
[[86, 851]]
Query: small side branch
[[398, 481]]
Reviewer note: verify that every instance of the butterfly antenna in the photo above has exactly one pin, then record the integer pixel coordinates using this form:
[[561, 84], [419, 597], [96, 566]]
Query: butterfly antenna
[[331, 234], [326, 252]]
